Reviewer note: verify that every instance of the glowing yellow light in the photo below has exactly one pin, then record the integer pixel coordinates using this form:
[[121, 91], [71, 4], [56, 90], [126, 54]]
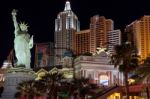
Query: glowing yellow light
[[131, 81]]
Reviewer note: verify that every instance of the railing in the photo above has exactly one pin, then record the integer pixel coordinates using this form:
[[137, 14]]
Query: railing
[[105, 91]]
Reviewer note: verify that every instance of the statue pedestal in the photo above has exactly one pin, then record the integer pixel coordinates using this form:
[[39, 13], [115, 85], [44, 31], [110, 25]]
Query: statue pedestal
[[13, 77]]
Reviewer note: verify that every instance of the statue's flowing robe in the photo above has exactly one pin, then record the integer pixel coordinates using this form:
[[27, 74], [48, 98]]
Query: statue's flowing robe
[[22, 49]]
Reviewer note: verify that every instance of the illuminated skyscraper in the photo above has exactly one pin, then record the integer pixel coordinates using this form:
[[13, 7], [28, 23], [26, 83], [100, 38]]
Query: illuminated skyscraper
[[139, 35], [66, 25], [99, 27], [114, 38], [83, 41]]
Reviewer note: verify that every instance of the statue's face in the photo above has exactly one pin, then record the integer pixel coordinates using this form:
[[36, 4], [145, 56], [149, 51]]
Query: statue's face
[[23, 27]]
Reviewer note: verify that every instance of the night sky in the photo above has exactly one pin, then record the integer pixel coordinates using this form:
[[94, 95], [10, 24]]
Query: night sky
[[40, 16]]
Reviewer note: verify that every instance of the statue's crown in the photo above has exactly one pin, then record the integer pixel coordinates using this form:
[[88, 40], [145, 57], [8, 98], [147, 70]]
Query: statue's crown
[[23, 25]]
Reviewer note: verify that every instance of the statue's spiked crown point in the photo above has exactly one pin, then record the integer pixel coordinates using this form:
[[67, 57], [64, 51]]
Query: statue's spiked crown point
[[23, 26]]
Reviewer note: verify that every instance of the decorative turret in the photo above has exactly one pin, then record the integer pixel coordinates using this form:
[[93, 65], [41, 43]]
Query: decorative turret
[[67, 6]]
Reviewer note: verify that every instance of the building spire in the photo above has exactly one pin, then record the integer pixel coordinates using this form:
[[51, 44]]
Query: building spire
[[67, 6]]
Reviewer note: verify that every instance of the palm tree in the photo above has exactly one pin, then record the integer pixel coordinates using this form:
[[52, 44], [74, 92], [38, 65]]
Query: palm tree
[[40, 88], [82, 87], [144, 72], [126, 60], [26, 89], [52, 81], [31, 88], [66, 89]]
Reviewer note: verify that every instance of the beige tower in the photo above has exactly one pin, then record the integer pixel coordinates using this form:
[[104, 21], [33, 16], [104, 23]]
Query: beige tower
[[139, 31], [83, 41], [99, 27]]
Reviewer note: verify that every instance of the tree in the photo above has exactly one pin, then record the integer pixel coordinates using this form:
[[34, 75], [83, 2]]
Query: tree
[[82, 87], [144, 73], [126, 60], [40, 88], [26, 89], [31, 88], [52, 81]]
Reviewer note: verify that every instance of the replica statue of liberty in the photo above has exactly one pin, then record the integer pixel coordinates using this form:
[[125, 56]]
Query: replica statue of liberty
[[22, 42]]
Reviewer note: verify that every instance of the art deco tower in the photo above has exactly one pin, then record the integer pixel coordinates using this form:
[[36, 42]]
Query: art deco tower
[[66, 25]]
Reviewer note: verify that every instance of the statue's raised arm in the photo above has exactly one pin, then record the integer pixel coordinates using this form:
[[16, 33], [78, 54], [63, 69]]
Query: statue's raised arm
[[14, 13]]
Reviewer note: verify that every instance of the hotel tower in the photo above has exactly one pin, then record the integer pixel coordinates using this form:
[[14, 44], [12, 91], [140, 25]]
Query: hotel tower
[[66, 25], [139, 35], [99, 28]]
